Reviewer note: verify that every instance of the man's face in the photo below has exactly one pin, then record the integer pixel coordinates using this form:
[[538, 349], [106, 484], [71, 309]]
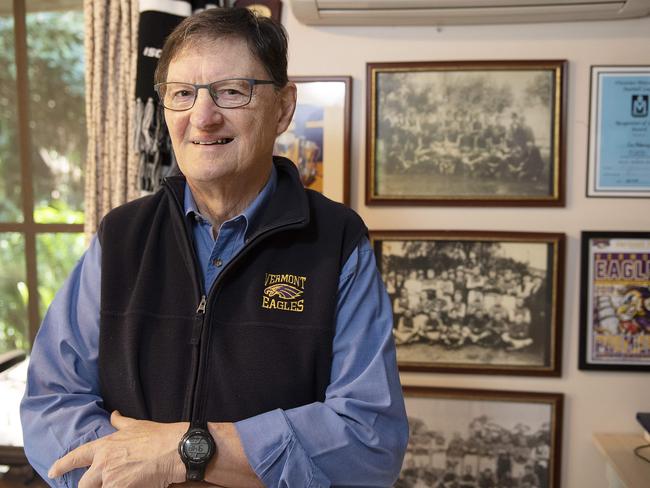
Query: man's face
[[235, 145]]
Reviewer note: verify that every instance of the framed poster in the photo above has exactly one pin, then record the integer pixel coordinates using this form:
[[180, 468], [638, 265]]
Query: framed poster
[[474, 302], [615, 301], [318, 139], [466, 133], [477, 438], [619, 132]]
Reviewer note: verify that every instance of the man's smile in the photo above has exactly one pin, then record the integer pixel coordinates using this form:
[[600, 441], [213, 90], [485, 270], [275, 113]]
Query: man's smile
[[222, 141]]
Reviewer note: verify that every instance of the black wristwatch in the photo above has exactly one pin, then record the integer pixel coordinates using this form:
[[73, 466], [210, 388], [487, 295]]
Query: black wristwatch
[[196, 448]]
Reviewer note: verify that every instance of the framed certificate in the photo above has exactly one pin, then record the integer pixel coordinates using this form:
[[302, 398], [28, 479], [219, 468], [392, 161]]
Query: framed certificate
[[619, 132], [615, 301]]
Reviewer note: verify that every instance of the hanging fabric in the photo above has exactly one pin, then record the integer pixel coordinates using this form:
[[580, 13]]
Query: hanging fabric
[[110, 34]]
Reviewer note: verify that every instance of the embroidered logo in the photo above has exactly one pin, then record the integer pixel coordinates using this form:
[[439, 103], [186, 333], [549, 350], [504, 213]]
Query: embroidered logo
[[284, 292]]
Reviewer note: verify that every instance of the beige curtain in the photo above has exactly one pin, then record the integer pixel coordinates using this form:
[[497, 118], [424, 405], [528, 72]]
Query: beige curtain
[[111, 57]]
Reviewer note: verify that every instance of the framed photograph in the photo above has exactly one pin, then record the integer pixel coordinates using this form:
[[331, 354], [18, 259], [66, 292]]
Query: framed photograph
[[466, 133], [474, 302], [619, 132], [318, 139], [265, 8], [615, 301], [482, 438]]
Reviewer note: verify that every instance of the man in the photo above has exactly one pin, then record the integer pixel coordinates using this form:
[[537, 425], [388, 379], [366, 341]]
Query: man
[[532, 162], [429, 284], [519, 133], [541, 455], [486, 479], [529, 478], [504, 466], [413, 285], [468, 480], [233, 323], [476, 327], [406, 331]]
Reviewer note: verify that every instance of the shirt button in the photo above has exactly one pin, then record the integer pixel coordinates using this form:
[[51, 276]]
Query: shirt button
[[217, 262]]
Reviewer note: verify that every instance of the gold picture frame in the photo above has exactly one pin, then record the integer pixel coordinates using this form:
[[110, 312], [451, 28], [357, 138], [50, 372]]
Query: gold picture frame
[[466, 133]]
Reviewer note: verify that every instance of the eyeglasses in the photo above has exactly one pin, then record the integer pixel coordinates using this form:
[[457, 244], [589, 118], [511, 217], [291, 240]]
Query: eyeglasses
[[232, 93]]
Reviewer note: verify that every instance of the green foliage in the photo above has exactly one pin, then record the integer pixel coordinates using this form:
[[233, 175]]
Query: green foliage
[[57, 106], [56, 111], [56, 255], [13, 296], [9, 157], [55, 51], [58, 212]]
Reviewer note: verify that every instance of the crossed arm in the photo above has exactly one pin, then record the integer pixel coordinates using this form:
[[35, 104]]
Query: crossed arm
[[144, 453]]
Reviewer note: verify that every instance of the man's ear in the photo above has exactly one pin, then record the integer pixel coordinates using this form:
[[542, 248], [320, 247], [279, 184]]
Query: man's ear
[[287, 101]]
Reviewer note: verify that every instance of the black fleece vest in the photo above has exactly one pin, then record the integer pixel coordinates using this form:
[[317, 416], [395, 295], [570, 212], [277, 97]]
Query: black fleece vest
[[265, 338]]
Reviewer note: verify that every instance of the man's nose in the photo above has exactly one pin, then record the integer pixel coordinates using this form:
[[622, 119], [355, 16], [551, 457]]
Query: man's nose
[[205, 112]]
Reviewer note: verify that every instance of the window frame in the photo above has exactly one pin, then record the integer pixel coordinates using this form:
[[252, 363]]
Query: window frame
[[28, 228]]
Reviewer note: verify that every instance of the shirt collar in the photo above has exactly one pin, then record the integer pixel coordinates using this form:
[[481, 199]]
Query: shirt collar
[[250, 214]]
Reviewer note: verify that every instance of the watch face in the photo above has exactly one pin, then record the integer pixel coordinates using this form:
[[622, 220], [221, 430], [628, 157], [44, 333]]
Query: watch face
[[196, 448]]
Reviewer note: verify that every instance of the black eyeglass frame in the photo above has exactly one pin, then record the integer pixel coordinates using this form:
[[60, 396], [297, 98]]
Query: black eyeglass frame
[[251, 81]]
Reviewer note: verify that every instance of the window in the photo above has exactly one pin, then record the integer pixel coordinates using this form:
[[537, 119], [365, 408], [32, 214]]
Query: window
[[42, 156]]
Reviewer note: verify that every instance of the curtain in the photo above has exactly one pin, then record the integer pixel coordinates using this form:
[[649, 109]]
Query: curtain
[[111, 34]]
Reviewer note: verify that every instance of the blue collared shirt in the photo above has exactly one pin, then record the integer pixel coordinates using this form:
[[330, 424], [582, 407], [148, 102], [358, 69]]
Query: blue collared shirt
[[357, 436]]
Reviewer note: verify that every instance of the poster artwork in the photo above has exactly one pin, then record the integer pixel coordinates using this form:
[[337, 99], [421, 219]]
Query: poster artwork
[[302, 143], [621, 306]]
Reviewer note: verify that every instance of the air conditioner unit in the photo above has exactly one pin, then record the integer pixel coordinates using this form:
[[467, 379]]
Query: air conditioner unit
[[444, 12]]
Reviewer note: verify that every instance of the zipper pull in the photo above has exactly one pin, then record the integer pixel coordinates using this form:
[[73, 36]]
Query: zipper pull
[[197, 329], [201, 309]]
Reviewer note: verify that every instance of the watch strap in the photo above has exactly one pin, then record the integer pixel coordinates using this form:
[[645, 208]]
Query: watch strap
[[198, 424], [194, 471]]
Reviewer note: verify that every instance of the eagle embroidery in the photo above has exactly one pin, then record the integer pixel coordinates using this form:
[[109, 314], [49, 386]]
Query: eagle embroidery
[[284, 291]]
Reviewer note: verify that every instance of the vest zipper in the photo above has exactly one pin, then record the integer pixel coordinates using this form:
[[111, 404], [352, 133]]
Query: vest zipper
[[199, 318], [195, 341], [200, 397]]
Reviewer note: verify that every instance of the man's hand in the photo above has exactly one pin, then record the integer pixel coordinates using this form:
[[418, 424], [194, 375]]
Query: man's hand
[[140, 454]]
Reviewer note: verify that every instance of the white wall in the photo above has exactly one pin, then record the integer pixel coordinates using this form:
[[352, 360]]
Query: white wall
[[594, 401]]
